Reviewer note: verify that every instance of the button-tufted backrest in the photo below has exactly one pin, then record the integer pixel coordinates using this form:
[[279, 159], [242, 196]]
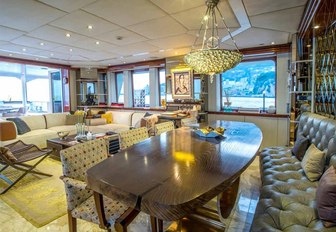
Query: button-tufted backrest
[[321, 131]]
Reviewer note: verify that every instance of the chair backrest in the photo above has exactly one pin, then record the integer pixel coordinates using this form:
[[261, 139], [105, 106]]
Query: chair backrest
[[76, 160], [188, 121], [164, 127], [131, 137]]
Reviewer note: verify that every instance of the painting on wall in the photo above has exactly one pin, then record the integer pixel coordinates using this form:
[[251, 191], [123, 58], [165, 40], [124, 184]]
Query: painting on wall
[[182, 83]]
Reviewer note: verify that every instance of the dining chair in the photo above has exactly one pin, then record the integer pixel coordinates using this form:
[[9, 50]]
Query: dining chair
[[81, 201], [164, 127], [131, 137], [188, 121]]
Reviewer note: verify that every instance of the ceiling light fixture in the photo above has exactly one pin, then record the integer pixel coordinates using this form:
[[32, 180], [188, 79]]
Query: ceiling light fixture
[[273, 43], [23, 49], [316, 27], [42, 44], [68, 35], [70, 49], [10, 54], [51, 54], [97, 43], [90, 27], [211, 59]]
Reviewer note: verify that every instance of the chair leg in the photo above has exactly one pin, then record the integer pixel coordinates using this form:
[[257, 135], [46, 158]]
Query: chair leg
[[125, 219], [72, 223]]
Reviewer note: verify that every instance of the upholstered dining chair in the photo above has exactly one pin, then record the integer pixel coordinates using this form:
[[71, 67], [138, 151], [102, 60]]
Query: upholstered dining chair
[[131, 137], [164, 127], [76, 160]]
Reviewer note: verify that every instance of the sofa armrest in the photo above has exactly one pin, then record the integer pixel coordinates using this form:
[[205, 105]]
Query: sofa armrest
[[7, 131]]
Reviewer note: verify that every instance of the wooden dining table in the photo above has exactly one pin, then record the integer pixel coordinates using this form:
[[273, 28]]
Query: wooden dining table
[[171, 175]]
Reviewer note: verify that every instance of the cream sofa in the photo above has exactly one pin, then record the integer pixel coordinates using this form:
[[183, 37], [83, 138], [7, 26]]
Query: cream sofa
[[46, 126]]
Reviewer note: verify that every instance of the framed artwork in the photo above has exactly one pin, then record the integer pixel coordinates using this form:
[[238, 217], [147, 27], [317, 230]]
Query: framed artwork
[[182, 81]]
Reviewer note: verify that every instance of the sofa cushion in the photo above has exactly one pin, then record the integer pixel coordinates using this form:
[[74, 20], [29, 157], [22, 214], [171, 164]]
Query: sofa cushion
[[136, 119], [313, 163], [109, 127], [73, 119], [326, 198], [300, 146], [35, 121], [56, 119], [95, 121], [71, 128], [38, 137], [121, 117], [21, 125]]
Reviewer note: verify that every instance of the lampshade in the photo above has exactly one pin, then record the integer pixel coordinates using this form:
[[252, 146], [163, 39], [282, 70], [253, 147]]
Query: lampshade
[[211, 59]]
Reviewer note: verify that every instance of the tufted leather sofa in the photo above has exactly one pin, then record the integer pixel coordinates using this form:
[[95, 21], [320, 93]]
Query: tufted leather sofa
[[287, 200]]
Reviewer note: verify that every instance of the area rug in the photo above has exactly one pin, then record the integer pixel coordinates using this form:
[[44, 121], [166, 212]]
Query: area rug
[[38, 199]]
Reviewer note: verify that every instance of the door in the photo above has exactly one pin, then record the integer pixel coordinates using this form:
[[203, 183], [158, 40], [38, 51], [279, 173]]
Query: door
[[56, 91]]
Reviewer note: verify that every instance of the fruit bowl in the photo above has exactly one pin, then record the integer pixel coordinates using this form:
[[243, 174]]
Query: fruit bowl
[[63, 134], [210, 132]]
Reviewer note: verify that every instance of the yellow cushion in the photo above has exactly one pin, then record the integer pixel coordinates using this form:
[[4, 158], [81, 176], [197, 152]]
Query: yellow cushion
[[108, 117], [79, 112]]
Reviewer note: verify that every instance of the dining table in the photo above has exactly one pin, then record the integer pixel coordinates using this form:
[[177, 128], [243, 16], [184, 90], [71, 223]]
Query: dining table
[[171, 175]]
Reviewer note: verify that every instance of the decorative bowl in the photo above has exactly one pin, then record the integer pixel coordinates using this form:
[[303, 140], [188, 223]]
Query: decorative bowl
[[63, 134]]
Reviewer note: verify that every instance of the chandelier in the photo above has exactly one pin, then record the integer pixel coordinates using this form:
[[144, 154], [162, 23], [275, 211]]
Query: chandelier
[[211, 59]]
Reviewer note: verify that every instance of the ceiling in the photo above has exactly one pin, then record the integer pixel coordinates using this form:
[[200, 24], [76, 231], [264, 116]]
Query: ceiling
[[127, 31]]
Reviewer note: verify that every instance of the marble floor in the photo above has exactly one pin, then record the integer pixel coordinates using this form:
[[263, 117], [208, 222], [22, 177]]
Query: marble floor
[[239, 220]]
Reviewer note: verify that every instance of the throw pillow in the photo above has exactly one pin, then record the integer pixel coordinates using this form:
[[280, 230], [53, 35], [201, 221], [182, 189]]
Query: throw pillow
[[313, 163], [21, 125], [108, 117], [73, 119], [300, 146], [5, 152], [79, 112], [326, 197]]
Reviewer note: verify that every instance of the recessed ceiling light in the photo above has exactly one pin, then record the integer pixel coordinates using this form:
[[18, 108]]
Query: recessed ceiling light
[[68, 35], [36, 58], [97, 43], [70, 49], [42, 44], [161, 50], [10, 54], [317, 26], [51, 54], [24, 49], [273, 43], [308, 45], [124, 62], [90, 27], [109, 64]]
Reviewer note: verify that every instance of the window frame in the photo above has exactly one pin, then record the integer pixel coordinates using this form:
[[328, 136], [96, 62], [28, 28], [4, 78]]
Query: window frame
[[251, 59], [116, 87]]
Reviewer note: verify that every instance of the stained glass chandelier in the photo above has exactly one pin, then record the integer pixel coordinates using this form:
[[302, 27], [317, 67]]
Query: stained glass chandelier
[[211, 59]]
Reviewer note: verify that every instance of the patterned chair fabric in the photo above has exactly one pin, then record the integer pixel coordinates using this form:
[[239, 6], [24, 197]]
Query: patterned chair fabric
[[288, 199], [131, 137], [164, 127], [188, 121], [75, 161]]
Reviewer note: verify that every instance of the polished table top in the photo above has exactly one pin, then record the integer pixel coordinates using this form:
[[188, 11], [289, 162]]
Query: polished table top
[[168, 176]]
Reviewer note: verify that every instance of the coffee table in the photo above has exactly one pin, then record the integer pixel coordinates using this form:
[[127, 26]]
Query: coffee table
[[58, 144]]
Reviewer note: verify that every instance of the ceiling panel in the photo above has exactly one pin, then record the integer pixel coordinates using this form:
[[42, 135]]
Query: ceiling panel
[[173, 41], [284, 20], [256, 7], [90, 44], [27, 15], [260, 37], [158, 28], [78, 22], [173, 6], [35, 43], [19, 49], [50, 33], [125, 12], [192, 18], [54, 55], [135, 48], [9, 34], [127, 37], [67, 5]]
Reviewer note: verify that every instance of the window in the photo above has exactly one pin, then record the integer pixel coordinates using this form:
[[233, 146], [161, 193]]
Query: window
[[141, 91], [162, 83], [11, 95], [120, 87], [248, 83], [197, 88]]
